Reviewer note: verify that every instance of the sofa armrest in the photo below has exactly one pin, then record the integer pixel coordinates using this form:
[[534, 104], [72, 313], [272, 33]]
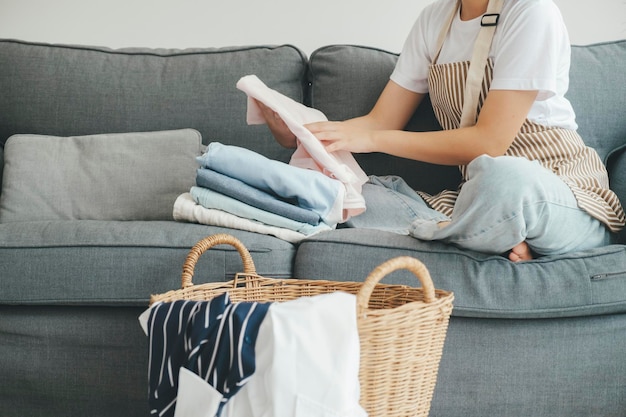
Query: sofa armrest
[[1, 166]]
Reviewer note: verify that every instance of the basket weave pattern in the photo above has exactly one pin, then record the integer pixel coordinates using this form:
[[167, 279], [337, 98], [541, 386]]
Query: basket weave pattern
[[402, 329]]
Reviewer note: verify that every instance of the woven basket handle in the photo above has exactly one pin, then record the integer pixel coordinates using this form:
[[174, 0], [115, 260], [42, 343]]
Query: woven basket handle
[[401, 262], [207, 243]]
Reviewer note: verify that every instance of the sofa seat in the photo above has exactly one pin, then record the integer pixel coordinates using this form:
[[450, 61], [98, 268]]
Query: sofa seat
[[90, 262], [582, 283], [530, 337]]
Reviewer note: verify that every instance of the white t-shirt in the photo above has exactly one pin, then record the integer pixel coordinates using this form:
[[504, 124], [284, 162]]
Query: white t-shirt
[[530, 51]]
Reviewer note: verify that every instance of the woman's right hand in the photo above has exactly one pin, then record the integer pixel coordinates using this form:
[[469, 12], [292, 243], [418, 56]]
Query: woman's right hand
[[277, 126]]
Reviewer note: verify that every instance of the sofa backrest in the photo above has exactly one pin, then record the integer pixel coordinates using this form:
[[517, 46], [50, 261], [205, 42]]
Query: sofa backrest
[[64, 90], [346, 81], [597, 82], [75, 90]]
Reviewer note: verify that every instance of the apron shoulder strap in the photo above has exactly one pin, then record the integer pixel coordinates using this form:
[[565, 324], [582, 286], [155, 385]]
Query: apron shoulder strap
[[480, 55]]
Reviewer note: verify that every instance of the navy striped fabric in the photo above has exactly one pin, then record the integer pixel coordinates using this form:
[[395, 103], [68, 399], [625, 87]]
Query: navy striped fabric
[[214, 339]]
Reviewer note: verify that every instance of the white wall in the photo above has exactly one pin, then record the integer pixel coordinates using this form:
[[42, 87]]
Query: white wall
[[306, 24]]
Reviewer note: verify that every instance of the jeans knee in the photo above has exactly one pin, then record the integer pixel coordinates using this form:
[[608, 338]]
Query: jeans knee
[[503, 173]]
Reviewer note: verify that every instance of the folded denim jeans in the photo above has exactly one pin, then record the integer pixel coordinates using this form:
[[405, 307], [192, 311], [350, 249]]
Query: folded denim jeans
[[239, 190]]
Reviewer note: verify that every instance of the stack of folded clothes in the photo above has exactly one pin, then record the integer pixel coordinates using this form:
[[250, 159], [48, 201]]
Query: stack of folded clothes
[[241, 189]]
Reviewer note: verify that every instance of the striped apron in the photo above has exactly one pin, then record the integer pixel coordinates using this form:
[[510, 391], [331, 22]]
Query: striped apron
[[562, 151]]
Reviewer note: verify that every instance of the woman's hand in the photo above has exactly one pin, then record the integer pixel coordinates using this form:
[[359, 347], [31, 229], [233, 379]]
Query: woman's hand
[[277, 126], [343, 136], [368, 133]]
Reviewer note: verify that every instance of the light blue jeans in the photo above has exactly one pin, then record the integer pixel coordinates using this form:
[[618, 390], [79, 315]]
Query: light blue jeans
[[505, 201]]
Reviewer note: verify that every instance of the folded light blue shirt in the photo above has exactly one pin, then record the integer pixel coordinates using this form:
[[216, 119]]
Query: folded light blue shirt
[[239, 190], [214, 200]]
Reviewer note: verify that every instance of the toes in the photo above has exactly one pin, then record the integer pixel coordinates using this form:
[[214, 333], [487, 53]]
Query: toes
[[514, 257], [521, 252]]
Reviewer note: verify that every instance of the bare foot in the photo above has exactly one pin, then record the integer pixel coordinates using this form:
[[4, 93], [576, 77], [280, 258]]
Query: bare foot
[[520, 252], [443, 224]]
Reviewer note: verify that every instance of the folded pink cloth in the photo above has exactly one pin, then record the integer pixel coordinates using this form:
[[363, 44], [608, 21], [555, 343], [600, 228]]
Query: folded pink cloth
[[310, 153]]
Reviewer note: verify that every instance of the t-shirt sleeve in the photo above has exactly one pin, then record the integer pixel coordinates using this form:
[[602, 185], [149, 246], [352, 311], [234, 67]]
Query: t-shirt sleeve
[[411, 70], [532, 51]]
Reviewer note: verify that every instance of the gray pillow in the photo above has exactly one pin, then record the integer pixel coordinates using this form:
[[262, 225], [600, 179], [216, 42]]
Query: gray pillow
[[122, 176]]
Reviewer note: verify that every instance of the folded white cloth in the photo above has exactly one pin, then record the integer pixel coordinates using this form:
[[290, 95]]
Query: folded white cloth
[[310, 153], [186, 209]]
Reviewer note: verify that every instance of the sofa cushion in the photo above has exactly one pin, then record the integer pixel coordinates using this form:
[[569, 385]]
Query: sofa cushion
[[592, 282], [89, 262], [345, 82], [124, 176], [66, 90]]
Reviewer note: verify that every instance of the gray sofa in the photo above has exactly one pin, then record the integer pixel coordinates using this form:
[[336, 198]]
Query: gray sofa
[[87, 234]]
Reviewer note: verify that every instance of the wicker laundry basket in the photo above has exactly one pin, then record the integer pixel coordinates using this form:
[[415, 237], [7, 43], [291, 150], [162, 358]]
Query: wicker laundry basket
[[401, 328]]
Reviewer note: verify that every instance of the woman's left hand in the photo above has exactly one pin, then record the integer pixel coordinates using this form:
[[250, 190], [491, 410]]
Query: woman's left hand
[[341, 136]]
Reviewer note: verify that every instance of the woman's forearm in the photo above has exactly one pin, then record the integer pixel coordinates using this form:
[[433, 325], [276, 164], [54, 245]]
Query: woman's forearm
[[451, 147]]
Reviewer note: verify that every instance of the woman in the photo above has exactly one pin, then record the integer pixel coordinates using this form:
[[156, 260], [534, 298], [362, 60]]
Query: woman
[[530, 185]]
